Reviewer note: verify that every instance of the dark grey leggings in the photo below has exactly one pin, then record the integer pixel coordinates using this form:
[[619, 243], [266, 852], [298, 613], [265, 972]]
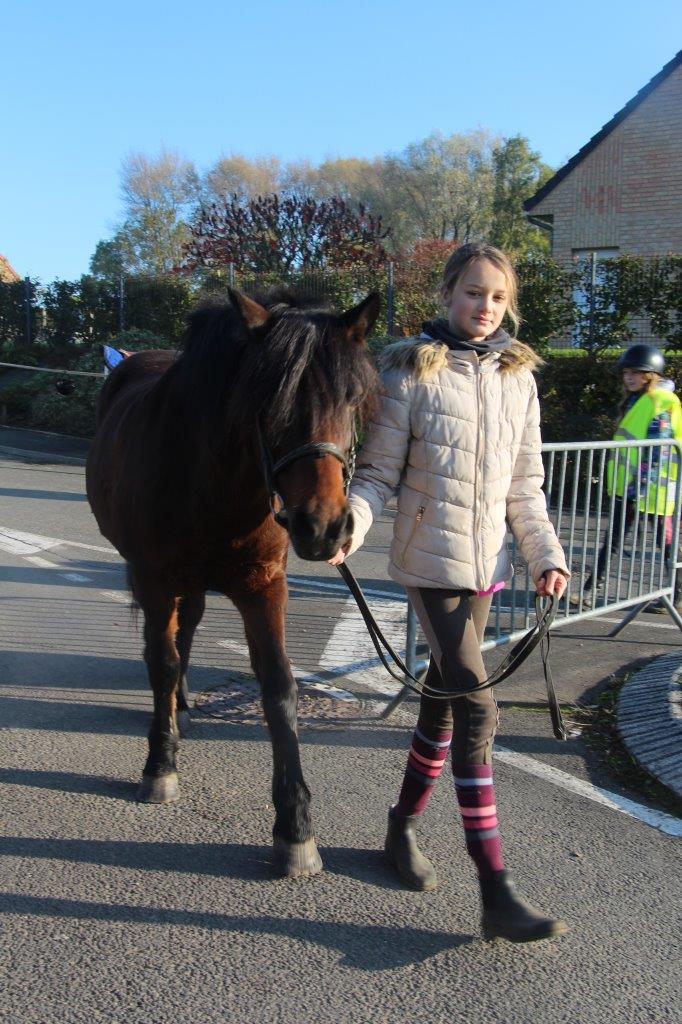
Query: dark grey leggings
[[454, 622]]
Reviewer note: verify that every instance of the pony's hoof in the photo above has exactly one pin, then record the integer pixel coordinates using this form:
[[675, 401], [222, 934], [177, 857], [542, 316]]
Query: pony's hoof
[[296, 860], [159, 789], [184, 720]]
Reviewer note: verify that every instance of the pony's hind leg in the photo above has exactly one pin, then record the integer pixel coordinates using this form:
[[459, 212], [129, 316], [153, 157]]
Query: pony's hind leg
[[295, 851], [191, 610], [159, 783]]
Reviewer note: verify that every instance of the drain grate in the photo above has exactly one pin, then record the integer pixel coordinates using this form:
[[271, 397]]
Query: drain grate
[[320, 705]]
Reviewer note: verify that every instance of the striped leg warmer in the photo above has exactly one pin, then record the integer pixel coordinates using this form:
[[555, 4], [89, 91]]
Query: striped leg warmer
[[476, 799], [425, 761]]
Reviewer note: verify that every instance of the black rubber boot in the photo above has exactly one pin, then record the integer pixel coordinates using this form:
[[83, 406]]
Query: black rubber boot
[[402, 852], [507, 916]]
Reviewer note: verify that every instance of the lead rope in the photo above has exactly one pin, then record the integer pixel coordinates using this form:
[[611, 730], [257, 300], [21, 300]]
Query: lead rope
[[538, 634]]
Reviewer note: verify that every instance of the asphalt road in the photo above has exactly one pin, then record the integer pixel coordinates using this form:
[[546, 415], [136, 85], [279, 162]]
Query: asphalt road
[[115, 912]]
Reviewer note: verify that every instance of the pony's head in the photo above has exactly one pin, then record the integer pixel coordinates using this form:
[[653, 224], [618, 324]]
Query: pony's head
[[303, 383]]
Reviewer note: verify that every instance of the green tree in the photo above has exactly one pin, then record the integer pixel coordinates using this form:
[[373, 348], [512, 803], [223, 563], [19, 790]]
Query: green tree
[[440, 188], [160, 195], [112, 258], [518, 172], [545, 300], [18, 312], [236, 175], [61, 301]]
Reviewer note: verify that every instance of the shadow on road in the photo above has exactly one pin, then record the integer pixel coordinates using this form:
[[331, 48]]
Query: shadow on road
[[363, 947], [69, 782], [25, 492]]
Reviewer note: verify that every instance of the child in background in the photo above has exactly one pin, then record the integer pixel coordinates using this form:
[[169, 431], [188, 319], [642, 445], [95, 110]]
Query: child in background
[[649, 410]]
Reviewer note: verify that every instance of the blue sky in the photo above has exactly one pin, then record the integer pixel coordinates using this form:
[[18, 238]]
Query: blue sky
[[82, 86]]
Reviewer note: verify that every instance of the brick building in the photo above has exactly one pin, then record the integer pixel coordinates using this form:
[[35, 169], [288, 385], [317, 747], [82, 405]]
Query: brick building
[[622, 192], [8, 274]]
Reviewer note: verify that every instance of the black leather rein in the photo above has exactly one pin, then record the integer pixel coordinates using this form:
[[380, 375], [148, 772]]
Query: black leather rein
[[538, 634]]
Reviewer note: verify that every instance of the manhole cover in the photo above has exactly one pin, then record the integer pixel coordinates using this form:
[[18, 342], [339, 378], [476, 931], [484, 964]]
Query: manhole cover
[[238, 700]]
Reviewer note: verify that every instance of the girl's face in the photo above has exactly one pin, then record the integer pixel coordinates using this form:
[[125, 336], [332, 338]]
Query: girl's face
[[634, 380], [478, 301]]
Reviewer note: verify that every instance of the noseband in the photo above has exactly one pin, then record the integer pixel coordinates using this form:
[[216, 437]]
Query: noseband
[[312, 450]]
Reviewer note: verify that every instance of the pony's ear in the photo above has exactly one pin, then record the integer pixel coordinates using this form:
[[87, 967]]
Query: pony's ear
[[253, 314], [360, 320]]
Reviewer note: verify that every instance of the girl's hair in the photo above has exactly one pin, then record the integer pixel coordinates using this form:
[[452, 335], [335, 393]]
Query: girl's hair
[[650, 382], [463, 257]]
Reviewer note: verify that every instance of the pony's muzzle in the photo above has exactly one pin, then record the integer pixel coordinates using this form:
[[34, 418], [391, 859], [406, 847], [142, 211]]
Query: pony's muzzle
[[317, 539]]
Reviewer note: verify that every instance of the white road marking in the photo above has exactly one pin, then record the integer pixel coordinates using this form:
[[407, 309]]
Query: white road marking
[[233, 645], [116, 595], [637, 622], [667, 823], [17, 542], [342, 588], [308, 678], [42, 563], [350, 637], [90, 547]]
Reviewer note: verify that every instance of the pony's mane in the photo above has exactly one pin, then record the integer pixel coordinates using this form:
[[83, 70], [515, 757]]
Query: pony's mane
[[302, 356]]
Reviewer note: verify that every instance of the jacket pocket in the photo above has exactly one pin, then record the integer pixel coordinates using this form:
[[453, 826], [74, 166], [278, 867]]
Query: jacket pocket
[[410, 537]]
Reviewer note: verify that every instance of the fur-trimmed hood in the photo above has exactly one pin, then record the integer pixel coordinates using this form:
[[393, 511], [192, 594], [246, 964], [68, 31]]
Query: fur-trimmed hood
[[427, 357]]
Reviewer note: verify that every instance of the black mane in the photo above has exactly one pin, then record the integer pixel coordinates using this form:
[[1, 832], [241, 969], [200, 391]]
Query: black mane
[[302, 359]]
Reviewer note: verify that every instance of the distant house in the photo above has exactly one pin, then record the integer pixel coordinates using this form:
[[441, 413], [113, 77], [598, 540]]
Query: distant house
[[622, 192], [8, 274]]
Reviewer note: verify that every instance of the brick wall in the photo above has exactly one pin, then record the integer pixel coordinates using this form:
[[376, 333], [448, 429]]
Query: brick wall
[[626, 194]]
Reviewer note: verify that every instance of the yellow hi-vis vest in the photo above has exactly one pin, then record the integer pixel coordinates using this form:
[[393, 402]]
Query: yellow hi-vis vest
[[658, 465]]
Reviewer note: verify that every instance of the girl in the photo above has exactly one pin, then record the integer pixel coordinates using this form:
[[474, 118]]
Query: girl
[[648, 410], [457, 432]]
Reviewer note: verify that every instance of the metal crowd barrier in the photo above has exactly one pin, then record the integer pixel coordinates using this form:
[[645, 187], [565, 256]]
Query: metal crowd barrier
[[639, 542]]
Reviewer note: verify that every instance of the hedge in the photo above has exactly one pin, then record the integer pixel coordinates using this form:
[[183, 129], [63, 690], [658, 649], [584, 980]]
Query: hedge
[[579, 393]]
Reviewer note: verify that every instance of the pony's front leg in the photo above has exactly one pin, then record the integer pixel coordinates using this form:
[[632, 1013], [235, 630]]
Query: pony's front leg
[[160, 777], [190, 611], [294, 848]]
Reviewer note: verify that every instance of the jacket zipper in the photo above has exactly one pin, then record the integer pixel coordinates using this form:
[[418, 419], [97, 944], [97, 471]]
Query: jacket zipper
[[479, 482], [417, 520]]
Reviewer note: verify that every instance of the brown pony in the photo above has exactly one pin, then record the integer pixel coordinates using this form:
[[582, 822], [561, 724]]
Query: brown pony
[[181, 478]]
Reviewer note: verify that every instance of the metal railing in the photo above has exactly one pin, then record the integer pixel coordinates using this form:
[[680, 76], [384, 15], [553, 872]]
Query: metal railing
[[622, 550]]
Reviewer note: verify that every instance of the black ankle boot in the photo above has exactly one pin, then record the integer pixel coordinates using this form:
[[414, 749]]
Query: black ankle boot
[[402, 852], [507, 916]]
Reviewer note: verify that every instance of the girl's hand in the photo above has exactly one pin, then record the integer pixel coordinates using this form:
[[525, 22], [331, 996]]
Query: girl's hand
[[340, 555], [551, 582]]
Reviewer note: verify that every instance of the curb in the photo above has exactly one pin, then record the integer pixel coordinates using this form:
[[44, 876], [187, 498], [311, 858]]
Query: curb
[[649, 715], [42, 458]]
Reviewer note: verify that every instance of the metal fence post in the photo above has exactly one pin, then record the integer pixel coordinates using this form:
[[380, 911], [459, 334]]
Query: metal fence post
[[121, 304], [27, 308], [593, 285]]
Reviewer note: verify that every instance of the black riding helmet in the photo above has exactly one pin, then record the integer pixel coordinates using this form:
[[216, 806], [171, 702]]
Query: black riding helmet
[[646, 358]]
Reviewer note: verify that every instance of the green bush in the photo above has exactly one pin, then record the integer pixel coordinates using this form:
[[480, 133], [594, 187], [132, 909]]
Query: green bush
[[579, 394], [35, 403]]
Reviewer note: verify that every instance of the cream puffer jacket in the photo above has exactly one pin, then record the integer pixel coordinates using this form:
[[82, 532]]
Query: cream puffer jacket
[[459, 437]]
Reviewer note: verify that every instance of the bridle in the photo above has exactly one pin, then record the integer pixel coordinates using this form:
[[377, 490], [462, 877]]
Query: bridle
[[538, 634], [312, 450]]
